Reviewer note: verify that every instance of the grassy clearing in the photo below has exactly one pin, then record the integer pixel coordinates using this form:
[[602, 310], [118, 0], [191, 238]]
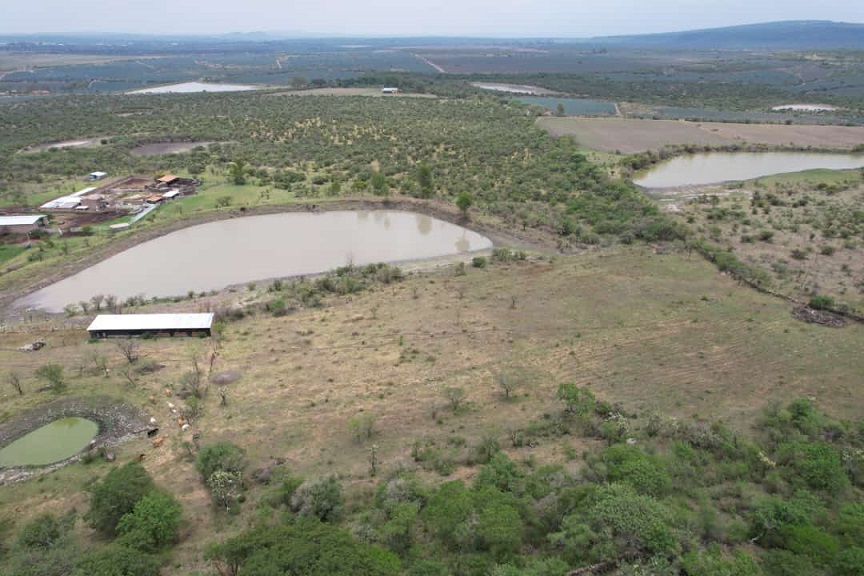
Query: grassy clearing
[[656, 332], [9, 251]]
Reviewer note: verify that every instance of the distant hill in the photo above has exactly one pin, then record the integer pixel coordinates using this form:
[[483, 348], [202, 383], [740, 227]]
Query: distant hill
[[792, 35]]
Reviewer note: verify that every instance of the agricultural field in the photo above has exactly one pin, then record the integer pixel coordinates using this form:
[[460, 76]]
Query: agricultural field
[[99, 74], [573, 106], [630, 136]]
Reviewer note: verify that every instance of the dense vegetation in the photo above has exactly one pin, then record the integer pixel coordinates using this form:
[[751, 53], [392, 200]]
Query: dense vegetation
[[663, 497], [332, 146]]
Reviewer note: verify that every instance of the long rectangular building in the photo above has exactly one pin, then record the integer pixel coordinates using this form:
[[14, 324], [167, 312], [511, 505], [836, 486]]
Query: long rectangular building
[[132, 325]]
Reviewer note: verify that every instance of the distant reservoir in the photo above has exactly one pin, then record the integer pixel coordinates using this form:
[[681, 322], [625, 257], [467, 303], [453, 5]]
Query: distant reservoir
[[218, 254], [717, 167], [192, 87]]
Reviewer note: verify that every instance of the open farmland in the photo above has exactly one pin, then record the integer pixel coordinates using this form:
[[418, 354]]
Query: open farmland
[[630, 136]]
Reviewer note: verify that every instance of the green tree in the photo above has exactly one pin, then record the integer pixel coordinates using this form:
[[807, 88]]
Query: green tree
[[424, 180], [115, 496], [577, 400], [499, 528], [237, 172], [152, 524], [559, 110], [446, 511], [464, 201], [379, 184]]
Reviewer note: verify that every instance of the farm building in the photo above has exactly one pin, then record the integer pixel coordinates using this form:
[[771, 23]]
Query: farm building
[[130, 325], [390, 90], [168, 179], [22, 224], [97, 175], [62, 203]]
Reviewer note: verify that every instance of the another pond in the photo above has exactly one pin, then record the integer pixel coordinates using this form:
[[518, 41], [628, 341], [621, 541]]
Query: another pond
[[218, 254], [190, 87], [573, 106], [53, 442], [716, 167]]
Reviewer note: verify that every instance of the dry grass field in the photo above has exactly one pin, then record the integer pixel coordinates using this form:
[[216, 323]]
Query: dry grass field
[[654, 332], [802, 228], [630, 136]]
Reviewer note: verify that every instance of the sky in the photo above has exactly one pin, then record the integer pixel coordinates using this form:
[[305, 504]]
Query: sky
[[501, 18]]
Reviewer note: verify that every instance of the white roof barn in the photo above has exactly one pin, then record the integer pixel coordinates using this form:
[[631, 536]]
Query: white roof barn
[[21, 220], [125, 325], [62, 203]]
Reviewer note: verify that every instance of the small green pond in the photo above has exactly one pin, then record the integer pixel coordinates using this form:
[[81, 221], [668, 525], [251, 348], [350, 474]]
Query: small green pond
[[51, 443]]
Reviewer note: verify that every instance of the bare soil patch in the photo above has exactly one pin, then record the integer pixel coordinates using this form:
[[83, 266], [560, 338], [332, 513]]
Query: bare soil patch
[[80, 143], [791, 135], [157, 148], [631, 136]]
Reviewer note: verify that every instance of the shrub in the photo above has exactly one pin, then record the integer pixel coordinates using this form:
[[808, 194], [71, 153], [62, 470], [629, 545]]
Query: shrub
[[223, 456], [821, 302], [478, 262], [307, 547], [116, 495], [320, 499], [53, 375], [630, 465], [116, 560], [817, 464], [42, 532]]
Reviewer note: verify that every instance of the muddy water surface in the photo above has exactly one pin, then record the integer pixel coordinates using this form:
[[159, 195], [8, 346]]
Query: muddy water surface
[[716, 167], [218, 254]]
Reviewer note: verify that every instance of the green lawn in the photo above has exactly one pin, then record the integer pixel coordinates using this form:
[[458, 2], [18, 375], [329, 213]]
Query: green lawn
[[9, 251]]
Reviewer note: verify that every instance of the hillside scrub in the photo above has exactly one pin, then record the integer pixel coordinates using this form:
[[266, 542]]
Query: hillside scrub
[[685, 497]]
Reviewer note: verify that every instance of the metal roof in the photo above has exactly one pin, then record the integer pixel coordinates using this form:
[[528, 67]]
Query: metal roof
[[64, 202], [108, 322], [22, 220], [167, 178], [82, 192]]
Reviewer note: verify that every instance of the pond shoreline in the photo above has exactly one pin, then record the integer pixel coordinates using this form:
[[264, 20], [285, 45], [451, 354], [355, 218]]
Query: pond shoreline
[[118, 422], [443, 211]]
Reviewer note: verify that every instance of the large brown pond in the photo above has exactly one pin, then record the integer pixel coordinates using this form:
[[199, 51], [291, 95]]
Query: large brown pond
[[218, 254]]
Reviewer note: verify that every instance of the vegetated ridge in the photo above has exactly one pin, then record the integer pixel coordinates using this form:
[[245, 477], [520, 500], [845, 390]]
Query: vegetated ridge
[[787, 35]]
